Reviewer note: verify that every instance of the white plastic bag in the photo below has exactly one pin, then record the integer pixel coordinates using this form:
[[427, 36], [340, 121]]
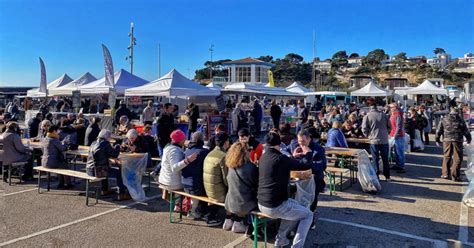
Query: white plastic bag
[[468, 197], [367, 177], [418, 144], [132, 173], [305, 192]]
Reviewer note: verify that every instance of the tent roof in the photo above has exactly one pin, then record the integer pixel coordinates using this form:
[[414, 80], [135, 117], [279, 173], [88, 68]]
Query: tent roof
[[296, 87], [370, 89], [258, 89], [123, 80], [62, 80], [427, 88], [214, 86], [172, 84], [73, 85]]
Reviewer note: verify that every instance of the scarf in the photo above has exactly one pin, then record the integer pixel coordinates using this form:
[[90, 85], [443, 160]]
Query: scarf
[[53, 135]]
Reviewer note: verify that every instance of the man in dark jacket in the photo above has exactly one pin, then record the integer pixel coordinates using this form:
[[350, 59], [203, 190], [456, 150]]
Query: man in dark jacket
[[274, 176], [92, 131], [193, 114], [98, 164], [303, 115], [192, 175], [257, 114], [122, 110], [452, 128], [165, 126], [33, 125], [275, 113]]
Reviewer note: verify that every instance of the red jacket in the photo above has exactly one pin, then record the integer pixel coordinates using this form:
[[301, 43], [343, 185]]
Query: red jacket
[[393, 121]]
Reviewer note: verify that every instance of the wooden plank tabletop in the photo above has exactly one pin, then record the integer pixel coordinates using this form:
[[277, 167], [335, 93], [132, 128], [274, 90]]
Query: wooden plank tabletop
[[352, 152]]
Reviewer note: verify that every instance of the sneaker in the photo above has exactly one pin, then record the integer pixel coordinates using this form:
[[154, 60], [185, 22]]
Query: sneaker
[[239, 227], [313, 225], [195, 216], [228, 223], [281, 242], [215, 222], [446, 177], [388, 180]]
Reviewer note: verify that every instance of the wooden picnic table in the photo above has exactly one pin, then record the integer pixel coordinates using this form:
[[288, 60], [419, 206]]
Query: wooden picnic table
[[341, 151], [351, 140]]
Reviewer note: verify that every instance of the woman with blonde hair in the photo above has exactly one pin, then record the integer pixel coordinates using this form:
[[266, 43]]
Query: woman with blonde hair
[[336, 137], [242, 179]]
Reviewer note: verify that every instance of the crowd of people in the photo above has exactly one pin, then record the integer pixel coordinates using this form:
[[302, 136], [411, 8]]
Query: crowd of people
[[246, 173]]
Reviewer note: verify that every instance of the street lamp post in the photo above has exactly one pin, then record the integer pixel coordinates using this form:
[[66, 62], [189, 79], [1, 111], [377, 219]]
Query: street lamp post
[[211, 49], [133, 42]]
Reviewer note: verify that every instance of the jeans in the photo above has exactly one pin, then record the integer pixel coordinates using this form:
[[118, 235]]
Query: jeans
[[292, 214], [377, 151], [199, 208], [400, 151]]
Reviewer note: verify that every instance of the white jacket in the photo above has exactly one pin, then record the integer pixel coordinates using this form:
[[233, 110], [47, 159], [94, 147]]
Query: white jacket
[[172, 163]]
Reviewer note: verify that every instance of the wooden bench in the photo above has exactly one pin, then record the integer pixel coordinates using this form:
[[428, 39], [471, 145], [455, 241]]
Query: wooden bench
[[258, 218], [70, 173], [332, 173], [10, 167]]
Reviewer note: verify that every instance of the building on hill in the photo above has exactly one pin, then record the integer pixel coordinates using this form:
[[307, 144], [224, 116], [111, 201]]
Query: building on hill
[[416, 60], [248, 70], [359, 81], [393, 82], [323, 66], [354, 62], [440, 61], [467, 61]]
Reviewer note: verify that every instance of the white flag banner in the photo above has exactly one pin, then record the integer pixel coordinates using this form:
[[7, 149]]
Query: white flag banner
[[43, 87], [109, 67]]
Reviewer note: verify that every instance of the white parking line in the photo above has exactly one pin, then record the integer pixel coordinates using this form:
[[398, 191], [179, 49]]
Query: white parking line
[[236, 242], [9, 242], [19, 192], [436, 242]]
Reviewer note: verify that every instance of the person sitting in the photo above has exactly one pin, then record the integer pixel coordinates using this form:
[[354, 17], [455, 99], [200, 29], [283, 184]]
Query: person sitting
[[68, 135], [256, 149], [151, 141], [124, 125], [242, 179], [79, 126], [272, 194], [98, 164], [310, 138], [70, 119], [347, 130], [357, 130], [336, 137], [285, 133], [173, 161], [92, 131], [34, 125], [134, 143], [219, 128], [53, 157], [15, 151], [192, 175], [215, 181]]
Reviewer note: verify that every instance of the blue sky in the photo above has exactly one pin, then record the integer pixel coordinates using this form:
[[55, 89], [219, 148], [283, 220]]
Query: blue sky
[[68, 34]]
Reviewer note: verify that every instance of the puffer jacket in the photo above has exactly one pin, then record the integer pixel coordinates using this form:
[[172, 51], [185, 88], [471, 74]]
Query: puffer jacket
[[215, 173], [53, 156], [13, 149], [192, 175], [100, 152], [453, 128], [172, 163], [336, 138]]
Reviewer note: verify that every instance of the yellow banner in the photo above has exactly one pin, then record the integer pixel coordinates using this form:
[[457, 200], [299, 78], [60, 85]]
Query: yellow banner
[[270, 79]]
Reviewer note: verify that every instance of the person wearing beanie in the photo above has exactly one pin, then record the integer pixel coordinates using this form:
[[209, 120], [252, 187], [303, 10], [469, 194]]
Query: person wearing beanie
[[98, 164], [173, 161], [273, 179]]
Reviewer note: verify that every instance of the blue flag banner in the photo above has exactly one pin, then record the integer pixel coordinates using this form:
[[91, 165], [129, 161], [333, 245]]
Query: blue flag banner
[[109, 67], [43, 87]]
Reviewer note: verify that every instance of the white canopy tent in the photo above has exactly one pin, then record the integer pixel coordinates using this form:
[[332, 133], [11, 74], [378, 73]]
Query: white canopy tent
[[123, 81], [172, 84], [371, 89], [62, 80], [66, 90], [257, 89], [427, 88], [214, 86], [296, 87]]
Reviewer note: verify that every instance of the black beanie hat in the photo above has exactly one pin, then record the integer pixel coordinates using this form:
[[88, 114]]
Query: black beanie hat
[[272, 139]]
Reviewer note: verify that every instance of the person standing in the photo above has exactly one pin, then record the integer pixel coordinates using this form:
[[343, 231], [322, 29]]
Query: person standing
[[148, 114], [166, 126], [302, 115], [257, 114], [92, 131], [121, 111], [272, 194], [275, 113], [397, 133], [33, 125], [452, 128], [375, 126], [193, 114], [422, 124]]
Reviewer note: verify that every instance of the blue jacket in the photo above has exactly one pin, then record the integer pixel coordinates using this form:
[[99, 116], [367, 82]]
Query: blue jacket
[[336, 138], [319, 163], [192, 175]]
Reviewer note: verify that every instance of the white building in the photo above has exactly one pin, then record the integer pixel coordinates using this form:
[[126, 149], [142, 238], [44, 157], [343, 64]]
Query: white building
[[323, 65], [441, 60], [354, 62], [467, 61], [248, 70]]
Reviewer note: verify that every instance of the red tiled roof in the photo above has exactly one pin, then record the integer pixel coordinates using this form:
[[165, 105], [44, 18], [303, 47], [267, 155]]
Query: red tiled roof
[[245, 60]]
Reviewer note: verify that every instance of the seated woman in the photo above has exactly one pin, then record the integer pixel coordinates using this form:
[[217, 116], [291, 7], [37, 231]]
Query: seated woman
[[242, 179], [355, 125], [336, 137], [68, 135], [173, 161], [124, 125], [256, 149], [15, 151], [98, 164], [348, 130], [134, 143], [53, 156], [43, 131], [151, 142]]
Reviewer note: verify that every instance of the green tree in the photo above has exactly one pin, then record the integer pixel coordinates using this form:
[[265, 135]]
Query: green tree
[[353, 55], [266, 58], [294, 58], [439, 50], [400, 59], [339, 59], [374, 58]]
